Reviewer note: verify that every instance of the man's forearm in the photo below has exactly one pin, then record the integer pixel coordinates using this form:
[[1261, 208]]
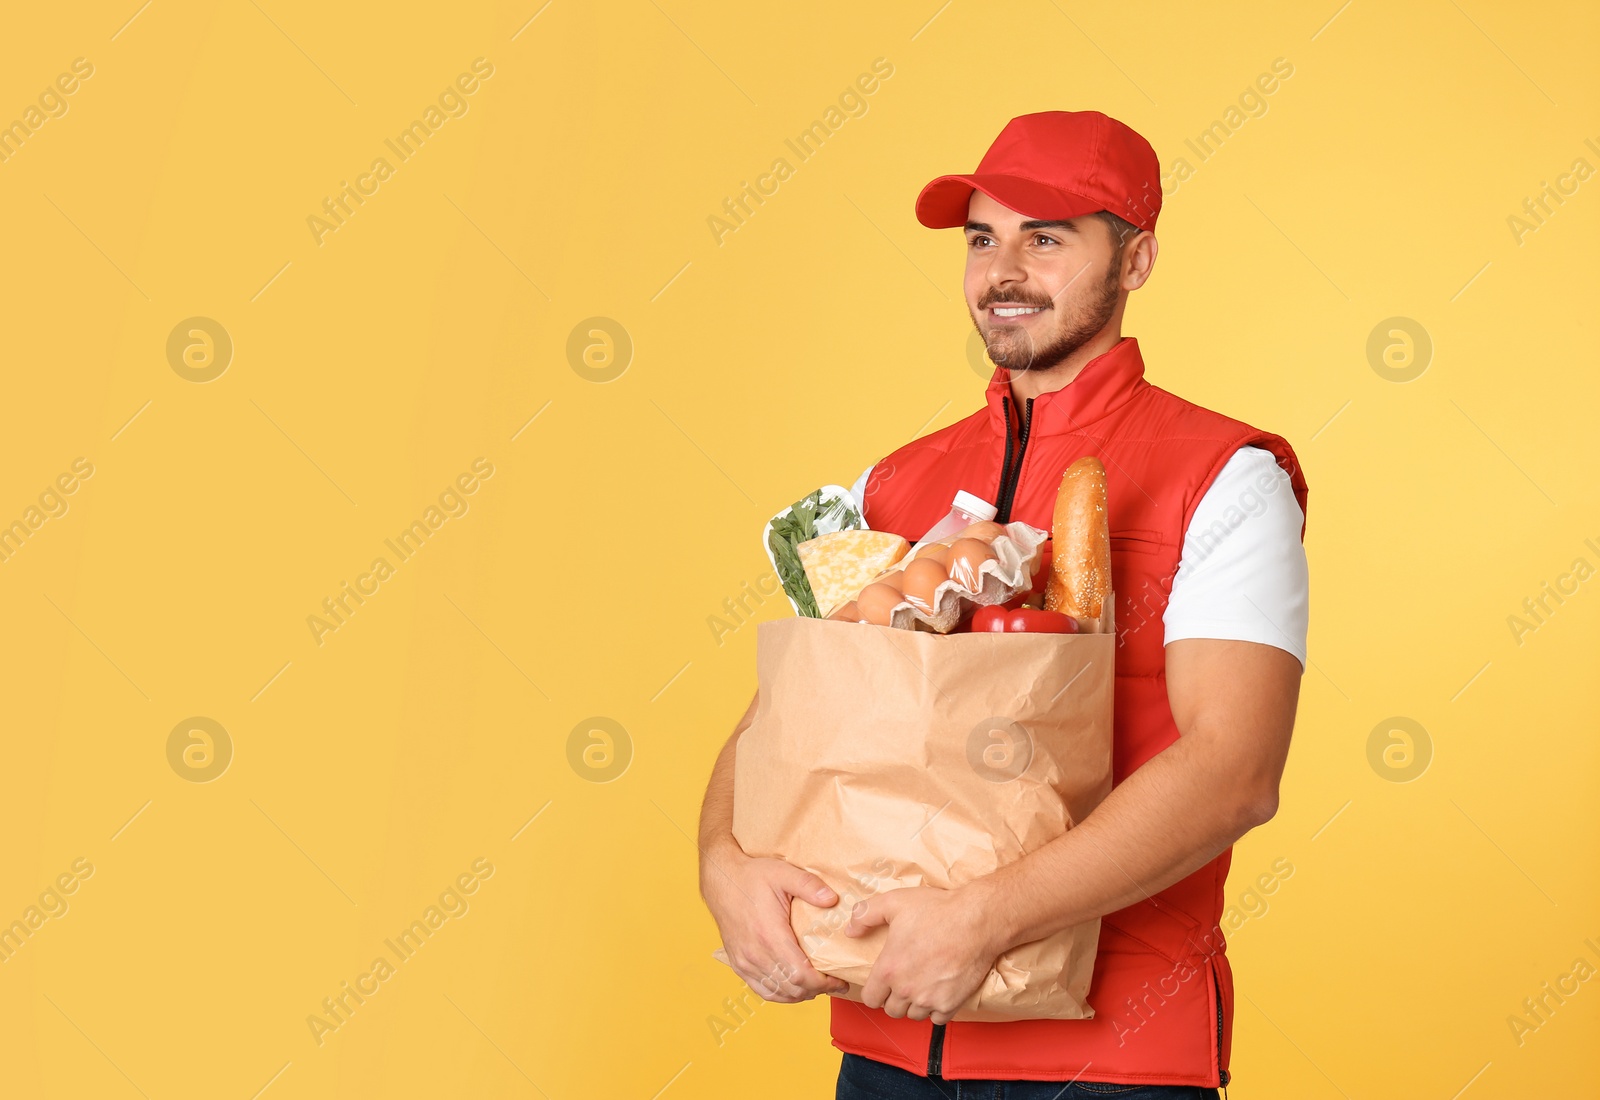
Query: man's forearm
[[1169, 818], [716, 812]]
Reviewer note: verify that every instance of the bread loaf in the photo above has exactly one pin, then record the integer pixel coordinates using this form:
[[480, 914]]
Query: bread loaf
[[1080, 564]]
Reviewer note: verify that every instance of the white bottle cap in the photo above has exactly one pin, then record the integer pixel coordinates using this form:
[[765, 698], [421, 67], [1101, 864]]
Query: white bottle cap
[[974, 506]]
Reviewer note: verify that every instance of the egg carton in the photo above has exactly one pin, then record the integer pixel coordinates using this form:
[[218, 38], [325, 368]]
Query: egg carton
[[1016, 556]]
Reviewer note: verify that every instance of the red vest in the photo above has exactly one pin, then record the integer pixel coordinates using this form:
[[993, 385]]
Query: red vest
[[1162, 989]]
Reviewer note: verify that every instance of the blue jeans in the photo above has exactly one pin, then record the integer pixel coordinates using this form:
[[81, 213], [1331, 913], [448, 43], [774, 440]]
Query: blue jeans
[[865, 1079]]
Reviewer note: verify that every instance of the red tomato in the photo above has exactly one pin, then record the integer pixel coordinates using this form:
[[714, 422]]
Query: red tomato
[[991, 619], [1023, 620]]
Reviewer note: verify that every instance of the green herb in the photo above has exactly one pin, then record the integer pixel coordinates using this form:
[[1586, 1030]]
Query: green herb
[[805, 520], [787, 533]]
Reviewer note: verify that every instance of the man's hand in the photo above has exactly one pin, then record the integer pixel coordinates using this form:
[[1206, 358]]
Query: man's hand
[[749, 899], [939, 949]]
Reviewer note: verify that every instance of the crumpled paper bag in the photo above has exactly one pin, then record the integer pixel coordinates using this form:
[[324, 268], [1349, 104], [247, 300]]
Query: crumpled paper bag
[[880, 758]]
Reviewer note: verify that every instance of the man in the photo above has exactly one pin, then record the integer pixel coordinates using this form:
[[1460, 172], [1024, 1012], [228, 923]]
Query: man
[[1207, 517]]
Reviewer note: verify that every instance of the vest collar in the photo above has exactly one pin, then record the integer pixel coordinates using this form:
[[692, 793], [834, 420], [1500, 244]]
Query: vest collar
[[1106, 382]]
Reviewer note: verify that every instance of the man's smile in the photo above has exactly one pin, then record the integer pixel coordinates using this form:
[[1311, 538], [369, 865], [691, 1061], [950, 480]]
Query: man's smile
[[1004, 311]]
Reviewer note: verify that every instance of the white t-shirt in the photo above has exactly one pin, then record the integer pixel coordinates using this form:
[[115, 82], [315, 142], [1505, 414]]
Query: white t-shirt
[[1242, 574]]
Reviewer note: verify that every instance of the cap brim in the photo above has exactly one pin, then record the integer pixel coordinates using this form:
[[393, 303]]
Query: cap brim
[[943, 203]]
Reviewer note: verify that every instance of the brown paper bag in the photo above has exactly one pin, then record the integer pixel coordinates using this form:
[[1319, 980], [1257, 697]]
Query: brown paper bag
[[880, 758]]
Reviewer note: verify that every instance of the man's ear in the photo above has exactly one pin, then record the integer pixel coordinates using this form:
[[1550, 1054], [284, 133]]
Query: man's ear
[[1141, 258]]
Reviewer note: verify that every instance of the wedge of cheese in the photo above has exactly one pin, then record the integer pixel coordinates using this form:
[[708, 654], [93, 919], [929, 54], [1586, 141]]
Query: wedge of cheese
[[840, 565]]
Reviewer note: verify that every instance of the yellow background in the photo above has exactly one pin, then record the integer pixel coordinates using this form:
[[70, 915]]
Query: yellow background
[[429, 729]]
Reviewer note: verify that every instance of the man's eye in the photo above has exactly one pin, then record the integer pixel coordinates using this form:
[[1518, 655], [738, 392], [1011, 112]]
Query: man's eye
[[1045, 239], [978, 239]]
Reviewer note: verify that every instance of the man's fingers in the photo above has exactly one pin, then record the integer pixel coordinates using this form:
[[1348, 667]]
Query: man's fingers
[[799, 976], [777, 983], [876, 991], [868, 914], [803, 884]]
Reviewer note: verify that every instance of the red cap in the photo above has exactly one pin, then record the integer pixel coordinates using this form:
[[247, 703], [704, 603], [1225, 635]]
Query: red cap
[[1056, 165]]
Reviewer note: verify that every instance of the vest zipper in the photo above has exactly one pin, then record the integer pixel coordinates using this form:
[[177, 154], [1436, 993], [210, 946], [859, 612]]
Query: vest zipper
[[936, 1050], [1224, 1078], [1008, 475]]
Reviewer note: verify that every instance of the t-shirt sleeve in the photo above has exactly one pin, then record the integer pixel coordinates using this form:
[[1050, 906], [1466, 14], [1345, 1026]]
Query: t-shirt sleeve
[[1242, 574]]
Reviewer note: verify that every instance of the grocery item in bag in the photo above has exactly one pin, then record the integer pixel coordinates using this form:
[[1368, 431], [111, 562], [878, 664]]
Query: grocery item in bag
[[986, 564], [838, 565]]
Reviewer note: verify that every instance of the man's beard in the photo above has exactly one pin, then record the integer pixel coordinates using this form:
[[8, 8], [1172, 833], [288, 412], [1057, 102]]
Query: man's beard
[[1014, 342]]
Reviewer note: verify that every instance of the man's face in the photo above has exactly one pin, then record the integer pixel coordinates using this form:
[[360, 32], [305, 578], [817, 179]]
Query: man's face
[[1064, 270]]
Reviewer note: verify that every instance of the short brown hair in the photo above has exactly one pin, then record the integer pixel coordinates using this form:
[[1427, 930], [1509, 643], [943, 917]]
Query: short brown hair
[[1121, 231]]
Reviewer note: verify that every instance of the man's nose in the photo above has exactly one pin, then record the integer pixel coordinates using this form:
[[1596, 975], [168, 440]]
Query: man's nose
[[1005, 266]]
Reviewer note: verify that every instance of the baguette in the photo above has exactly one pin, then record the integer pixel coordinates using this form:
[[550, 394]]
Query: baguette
[[1080, 563]]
